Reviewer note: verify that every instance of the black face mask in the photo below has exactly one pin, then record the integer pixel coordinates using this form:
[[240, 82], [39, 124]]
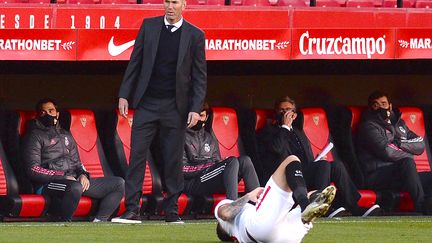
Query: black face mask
[[198, 126], [383, 113], [48, 120]]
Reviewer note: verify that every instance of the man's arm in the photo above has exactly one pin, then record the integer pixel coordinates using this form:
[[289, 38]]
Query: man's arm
[[228, 212], [198, 74], [32, 156], [375, 140], [413, 144], [132, 71]]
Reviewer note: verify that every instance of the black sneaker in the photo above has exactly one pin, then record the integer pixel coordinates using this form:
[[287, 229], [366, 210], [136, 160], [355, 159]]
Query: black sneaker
[[173, 219], [128, 217]]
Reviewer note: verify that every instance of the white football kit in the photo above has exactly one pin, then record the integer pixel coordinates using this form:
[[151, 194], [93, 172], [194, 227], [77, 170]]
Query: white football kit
[[270, 220]]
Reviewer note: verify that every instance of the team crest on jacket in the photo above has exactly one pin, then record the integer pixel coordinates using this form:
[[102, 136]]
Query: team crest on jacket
[[225, 119], [413, 118], [315, 120], [83, 121], [66, 141], [402, 129], [207, 147]]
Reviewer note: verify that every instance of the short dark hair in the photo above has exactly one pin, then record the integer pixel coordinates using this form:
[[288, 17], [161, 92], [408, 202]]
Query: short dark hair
[[376, 95], [222, 234], [283, 99], [43, 101]]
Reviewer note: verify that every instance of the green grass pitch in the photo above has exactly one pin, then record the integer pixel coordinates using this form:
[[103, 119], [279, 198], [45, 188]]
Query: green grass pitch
[[347, 229]]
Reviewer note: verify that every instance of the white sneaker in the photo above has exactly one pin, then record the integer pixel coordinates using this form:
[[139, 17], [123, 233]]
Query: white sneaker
[[336, 212], [125, 221], [374, 208]]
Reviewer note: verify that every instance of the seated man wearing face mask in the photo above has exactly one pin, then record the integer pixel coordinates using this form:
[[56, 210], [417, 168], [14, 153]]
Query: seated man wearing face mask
[[281, 139], [386, 147], [204, 170], [53, 165]]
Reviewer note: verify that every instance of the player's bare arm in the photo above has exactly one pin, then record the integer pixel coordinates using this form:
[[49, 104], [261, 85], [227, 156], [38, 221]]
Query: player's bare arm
[[228, 212]]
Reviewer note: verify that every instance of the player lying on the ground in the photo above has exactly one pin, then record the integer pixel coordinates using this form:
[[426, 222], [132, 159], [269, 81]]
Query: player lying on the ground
[[273, 218]]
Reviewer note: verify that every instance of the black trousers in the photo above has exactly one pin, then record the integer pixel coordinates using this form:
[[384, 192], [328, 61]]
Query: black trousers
[[400, 175], [318, 175], [223, 177], [67, 193], [156, 116]]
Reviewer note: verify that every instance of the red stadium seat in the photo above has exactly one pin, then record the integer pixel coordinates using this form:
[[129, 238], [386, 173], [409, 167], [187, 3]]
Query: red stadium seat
[[83, 128], [35, 2], [423, 4], [316, 128], [119, 1], [263, 3], [414, 119], [225, 128], [206, 2], [393, 3], [361, 3], [152, 2], [263, 117], [329, 3], [79, 1]]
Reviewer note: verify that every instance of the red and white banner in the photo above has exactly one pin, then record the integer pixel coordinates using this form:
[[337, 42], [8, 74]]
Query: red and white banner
[[248, 44], [343, 44], [222, 44], [40, 44], [106, 44], [26, 18], [414, 43]]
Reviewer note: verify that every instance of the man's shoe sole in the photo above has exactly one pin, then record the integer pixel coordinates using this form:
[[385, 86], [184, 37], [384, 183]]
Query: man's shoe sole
[[176, 222], [313, 211], [371, 210], [336, 212], [125, 221], [327, 195]]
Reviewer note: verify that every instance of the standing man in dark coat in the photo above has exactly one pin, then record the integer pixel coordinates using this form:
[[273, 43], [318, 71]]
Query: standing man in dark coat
[[166, 82]]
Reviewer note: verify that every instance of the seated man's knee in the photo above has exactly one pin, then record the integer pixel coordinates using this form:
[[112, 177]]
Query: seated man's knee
[[408, 164], [119, 184], [75, 188], [245, 161], [232, 162]]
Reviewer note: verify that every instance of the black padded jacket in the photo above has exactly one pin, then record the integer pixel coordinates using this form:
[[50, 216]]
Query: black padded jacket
[[200, 152], [50, 153], [380, 143]]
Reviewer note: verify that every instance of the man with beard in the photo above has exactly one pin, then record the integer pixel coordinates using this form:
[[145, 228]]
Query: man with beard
[[53, 165], [204, 170], [386, 147]]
